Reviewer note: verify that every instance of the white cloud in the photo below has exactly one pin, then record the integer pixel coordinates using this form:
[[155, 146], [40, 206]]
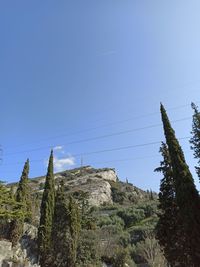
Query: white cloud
[[63, 163], [58, 148]]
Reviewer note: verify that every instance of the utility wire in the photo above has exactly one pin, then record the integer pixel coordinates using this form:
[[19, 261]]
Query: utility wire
[[123, 160], [104, 150], [95, 138], [105, 125]]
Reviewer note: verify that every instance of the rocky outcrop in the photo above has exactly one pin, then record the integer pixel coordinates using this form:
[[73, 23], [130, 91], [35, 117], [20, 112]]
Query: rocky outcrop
[[94, 182], [97, 183], [22, 255]]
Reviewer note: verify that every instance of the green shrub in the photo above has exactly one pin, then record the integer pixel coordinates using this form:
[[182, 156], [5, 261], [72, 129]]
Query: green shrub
[[88, 252], [131, 216]]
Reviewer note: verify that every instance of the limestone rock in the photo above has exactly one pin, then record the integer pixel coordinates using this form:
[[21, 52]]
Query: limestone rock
[[94, 182], [24, 254]]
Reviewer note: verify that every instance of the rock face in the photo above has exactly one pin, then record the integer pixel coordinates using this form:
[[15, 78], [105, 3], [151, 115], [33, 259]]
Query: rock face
[[94, 182], [24, 254]]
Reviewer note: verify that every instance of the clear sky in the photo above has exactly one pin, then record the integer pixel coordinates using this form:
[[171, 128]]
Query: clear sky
[[77, 70]]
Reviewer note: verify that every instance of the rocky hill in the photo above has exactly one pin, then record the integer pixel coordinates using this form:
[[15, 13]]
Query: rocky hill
[[99, 184], [121, 211]]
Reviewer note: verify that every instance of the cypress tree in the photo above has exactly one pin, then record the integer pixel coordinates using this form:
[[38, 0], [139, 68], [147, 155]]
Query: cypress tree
[[74, 227], [46, 215], [9, 207], [60, 234], [168, 230], [195, 140], [22, 196], [66, 229], [10, 210], [11, 193], [187, 197], [22, 190]]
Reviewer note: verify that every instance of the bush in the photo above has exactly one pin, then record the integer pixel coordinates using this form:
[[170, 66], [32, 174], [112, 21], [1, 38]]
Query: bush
[[117, 195], [131, 216], [123, 258], [150, 251], [88, 252], [41, 186]]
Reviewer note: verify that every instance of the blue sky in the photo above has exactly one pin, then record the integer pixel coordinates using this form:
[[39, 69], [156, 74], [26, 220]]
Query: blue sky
[[76, 70]]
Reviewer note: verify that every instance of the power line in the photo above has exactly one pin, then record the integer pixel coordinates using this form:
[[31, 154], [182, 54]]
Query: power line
[[128, 159], [106, 125], [103, 151], [121, 148], [96, 138], [125, 159]]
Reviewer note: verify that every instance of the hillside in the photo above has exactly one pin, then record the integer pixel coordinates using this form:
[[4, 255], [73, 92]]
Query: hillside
[[99, 184], [119, 215]]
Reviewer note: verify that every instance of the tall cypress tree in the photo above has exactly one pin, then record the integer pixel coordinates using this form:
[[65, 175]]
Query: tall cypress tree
[[22, 190], [187, 196], [74, 227], [60, 234], [46, 215], [168, 229], [66, 229], [195, 140], [22, 196]]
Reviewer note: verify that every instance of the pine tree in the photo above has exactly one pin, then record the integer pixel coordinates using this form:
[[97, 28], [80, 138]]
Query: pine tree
[[22, 196], [46, 215], [187, 196], [168, 230], [195, 140]]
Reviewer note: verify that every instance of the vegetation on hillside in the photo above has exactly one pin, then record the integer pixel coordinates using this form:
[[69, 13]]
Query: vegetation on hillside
[[136, 228]]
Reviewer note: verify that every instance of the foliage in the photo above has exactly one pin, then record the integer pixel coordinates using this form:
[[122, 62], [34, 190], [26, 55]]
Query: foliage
[[187, 197], [117, 196], [88, 250], [22, 196], [195, 140], [121, 257], [10, 209], [150, 251], [65, 230], [46, 215], [110, 220], [60, 235], [131, 216], [168, 229], [121, 193], [86, 218], [41, 186], [74, 229]]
